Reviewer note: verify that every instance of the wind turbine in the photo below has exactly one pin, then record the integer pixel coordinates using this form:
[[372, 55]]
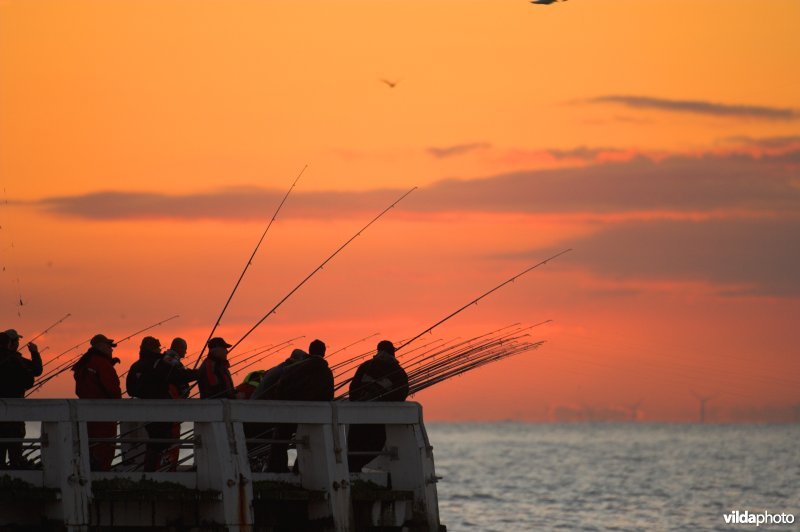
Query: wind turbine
[[703, 400]]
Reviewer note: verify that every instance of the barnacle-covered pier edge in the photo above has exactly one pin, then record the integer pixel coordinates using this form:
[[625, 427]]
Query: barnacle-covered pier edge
[[216, 486]]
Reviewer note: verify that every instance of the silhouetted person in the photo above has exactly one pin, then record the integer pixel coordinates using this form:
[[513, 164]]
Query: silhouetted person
[[268, 390], [178, 379], [309, 380], [17, 374], [96, 378], [179, 376], [379, 379], [213, 376], [266, 387], [249, 385], [153, 377]]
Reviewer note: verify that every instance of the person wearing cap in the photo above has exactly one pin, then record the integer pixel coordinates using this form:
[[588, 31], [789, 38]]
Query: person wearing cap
[[34, 364], [17, 374], [213, 377], [96, 378], [379, 379]]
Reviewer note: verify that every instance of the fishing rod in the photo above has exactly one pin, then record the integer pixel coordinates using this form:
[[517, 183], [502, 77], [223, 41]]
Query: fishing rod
[[270, 351], [456, 351], [68, 364], [475, 301], [246, 266], [462, 356], [318, 268], [351, 360], [469, 341], [439, 371], [251, 350], [48, 329], [370, 352], [475, 364], [351, 345], [427, 352]]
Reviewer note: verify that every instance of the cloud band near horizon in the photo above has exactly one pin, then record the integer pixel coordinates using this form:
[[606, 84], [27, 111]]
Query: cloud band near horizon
[[683, 184], [700, 107]]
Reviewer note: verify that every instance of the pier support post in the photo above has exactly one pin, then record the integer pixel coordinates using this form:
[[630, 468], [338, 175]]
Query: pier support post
[[323, 467]]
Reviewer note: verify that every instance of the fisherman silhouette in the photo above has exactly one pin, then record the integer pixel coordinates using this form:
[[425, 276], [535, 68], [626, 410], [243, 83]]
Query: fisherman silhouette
[[178, 379], [307, 380], [379, 379], [96, 378], [267, 390], [248, 386], [156, 376], [16, 376], [213, 376]]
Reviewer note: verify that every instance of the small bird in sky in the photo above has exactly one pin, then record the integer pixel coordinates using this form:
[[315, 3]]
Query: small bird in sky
[[391, 84], [546, 2]]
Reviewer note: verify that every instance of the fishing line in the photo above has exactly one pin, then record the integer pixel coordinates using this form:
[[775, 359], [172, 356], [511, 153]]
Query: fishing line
[[18, 302]]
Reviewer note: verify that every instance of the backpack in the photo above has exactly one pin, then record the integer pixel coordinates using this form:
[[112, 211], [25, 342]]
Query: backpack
[[133, 382]]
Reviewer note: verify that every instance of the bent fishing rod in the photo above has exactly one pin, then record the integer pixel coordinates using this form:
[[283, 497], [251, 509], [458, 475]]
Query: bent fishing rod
[[318, 268], [477, 299], [68, 364], [246, 266]]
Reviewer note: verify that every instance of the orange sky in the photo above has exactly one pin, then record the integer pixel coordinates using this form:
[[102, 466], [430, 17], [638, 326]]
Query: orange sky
[[660, 140]]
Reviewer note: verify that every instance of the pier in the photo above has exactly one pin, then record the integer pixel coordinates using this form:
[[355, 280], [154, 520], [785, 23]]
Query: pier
[[216, 487]]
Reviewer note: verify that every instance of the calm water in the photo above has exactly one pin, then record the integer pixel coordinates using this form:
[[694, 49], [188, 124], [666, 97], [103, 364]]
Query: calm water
[[519, 477]]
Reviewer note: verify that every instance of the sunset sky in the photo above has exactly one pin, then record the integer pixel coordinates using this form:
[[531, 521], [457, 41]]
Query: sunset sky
[[144, 145]]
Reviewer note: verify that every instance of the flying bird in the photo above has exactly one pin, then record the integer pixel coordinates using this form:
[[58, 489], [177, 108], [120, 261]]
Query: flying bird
[[391, 84], [545, 2]]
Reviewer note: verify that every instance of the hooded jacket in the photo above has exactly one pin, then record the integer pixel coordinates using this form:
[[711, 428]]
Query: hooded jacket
[[379, 379]]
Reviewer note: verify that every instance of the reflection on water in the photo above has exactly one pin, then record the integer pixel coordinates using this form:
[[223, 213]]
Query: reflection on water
[[515, 477]]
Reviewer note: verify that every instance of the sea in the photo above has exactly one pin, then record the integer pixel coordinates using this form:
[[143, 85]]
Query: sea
[[616, 476]]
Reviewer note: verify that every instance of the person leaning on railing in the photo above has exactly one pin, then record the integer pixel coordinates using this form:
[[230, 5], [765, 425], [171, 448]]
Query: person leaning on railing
[[379, 379]]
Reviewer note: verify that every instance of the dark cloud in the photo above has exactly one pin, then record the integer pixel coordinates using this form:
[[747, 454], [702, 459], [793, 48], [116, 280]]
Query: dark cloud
[[581, 152], [700, 107], [458, 149], [241, 203], [676, 183], [742, 256], [786, 141], [686, 184]]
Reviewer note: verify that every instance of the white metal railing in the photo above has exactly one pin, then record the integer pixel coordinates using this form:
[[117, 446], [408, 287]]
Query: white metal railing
[[216, 458]]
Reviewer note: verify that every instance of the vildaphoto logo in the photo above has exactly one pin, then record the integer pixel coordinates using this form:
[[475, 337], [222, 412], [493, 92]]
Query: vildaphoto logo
[[764, 518]]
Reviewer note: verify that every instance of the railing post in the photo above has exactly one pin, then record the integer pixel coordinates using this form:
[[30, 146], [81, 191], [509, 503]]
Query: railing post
[[412, 468], [65, 465], [241, 464], [217, 470], [320, 469]]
